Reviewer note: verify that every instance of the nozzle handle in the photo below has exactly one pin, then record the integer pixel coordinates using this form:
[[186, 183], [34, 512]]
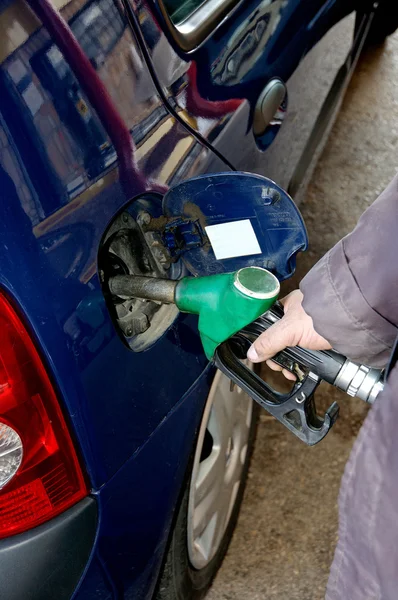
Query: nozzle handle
[[295, 410], [326, 364], [356, 380]]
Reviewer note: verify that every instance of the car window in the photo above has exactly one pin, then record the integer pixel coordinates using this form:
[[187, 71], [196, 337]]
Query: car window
[[178, 10]]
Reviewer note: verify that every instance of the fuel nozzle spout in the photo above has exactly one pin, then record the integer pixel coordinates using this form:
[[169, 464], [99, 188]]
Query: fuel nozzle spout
[[225, 303], [147, 288]]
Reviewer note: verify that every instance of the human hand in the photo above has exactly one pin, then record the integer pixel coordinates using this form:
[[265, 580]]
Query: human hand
[[294, 329]]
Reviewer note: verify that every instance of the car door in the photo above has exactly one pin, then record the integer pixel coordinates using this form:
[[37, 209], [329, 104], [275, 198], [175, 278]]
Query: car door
[[234, 71]]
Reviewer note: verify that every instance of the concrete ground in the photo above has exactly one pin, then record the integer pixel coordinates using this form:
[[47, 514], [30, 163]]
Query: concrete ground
[[287, 531]]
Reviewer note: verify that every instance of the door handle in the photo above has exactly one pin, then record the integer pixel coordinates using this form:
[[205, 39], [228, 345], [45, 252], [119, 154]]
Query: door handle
[[269, 102]]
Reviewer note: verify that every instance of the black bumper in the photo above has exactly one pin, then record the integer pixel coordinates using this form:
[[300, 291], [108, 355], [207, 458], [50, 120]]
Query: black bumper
[[48, 561]]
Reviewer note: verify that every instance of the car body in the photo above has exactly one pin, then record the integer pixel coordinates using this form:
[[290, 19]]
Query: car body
[[127, 108]]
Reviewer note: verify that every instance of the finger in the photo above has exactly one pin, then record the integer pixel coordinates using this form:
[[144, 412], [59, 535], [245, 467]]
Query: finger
[[289, 375], [272, 341], [273, 365]]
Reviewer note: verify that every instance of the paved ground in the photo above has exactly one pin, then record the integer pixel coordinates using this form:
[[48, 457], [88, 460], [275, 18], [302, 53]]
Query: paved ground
[[285, 539]]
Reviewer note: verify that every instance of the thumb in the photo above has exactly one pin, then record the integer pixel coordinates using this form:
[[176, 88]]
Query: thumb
[[273, 340]]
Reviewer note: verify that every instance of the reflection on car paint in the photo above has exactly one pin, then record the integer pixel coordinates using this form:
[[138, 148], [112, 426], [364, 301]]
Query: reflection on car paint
[[180, 77], [59, 160], [246, 45], [259, 41], [65, 130]]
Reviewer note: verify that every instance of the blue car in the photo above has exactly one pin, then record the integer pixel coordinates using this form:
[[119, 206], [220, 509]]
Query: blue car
[[123, 452]]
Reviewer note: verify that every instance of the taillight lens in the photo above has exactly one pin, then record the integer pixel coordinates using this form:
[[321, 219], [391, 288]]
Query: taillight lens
[[40, 475]]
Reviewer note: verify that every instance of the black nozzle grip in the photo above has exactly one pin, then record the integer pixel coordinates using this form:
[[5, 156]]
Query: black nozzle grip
[[295, 410], [325, 363]]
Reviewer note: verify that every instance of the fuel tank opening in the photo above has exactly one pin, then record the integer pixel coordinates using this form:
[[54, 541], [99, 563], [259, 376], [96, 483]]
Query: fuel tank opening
[[129, 249]]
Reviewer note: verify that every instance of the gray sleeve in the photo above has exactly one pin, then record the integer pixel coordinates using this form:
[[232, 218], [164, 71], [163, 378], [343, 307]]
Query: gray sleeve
[[352, 292]]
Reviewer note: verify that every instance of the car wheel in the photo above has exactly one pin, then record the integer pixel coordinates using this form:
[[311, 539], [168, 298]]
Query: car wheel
[[213, 493]]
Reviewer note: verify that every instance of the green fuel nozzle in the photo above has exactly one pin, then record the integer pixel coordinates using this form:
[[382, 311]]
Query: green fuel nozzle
[[225, 303]]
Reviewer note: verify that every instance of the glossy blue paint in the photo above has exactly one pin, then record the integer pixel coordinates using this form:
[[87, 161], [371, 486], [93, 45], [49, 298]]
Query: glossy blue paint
[[261, 40], [57, 254], [132, 547], [69, 163], [217, 199]]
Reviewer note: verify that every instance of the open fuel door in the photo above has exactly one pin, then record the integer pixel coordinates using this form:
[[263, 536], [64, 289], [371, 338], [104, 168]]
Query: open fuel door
[[223, 222]]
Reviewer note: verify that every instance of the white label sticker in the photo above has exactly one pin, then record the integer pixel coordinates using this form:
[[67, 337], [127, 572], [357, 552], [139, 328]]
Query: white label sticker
[[236, 238]]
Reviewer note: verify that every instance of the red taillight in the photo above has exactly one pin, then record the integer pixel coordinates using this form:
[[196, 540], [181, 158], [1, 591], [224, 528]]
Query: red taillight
[[40, 475]]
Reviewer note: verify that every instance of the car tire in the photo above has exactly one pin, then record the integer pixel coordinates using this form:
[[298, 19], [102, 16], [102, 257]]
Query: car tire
[[385, 23], [186, 576]]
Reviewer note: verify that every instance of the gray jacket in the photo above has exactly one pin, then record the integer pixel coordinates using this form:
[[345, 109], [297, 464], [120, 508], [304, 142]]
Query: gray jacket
[[352, 296]]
